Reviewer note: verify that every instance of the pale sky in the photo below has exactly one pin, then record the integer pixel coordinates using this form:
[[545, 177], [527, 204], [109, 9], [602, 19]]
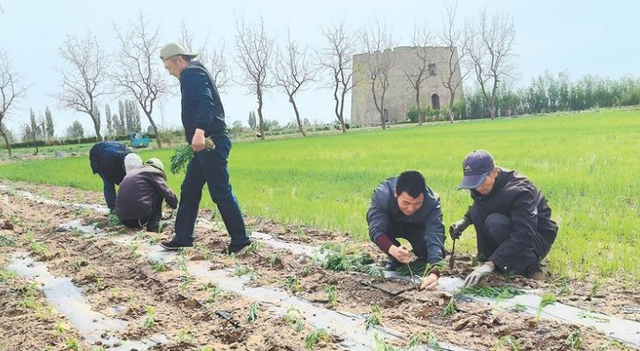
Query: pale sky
[[582, 36]]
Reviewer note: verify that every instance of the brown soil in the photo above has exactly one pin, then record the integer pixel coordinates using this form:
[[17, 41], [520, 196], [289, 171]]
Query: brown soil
[[112, 275]]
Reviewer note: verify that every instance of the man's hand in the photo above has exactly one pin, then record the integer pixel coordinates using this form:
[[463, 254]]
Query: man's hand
[[197, 143], [456, 229], [474, 278], [430, 282], [400, 253]]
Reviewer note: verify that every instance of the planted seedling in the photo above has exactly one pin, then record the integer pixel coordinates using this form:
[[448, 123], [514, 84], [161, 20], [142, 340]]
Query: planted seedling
[[374, 272], [254, 247], [6, 275], [5, 241], [149, 321], [315, 337], [594, 289], [547, 299], [505, 292], [611, 345], [242, 271], [214, 292], [113, 220], [518, 308], [383, 345], [508, 341], [73, 344], [574, 340], [254, 310], [294, 319], [159, 266], [332, 294], [274, 259], [375, 318], [183, 336], [59, 329], [343, 258], [100, 284], [450, 308], [293, 284]]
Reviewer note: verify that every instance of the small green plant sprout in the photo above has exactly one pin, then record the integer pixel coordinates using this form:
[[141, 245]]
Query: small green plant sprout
[[73, 344], [183, 336], [254, 247], [254, 311], [159, 266], [374, 272], [574, 340], [149, 321], [207, 348], [505, 292], [215, 292], [342, 257], [6, 275], [292, 284], [274, 259], [508, 341], [182, 264], [242, 271], [206, 254], [113, 220], [424, 337], [100, 284], [314, 337], [187, 279], [7, 242], [294, 319], [547, 300], [332, 294], [375, 318], [383, 345], [518, 308], [59, 328], [183, 251], [563, 284], [450, 308], [611, 345]]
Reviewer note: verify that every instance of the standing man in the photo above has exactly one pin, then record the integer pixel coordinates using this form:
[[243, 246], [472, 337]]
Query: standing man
[[513, 222], [111, 161], [202, 118], [404, 207], [141, 194]]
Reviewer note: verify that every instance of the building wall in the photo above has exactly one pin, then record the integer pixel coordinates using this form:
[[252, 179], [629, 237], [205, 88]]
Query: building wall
[[400, 96]]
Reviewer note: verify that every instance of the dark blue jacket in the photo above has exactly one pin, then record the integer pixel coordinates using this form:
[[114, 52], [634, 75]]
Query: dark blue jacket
[[384, 210], [107, 159], [201, 105]]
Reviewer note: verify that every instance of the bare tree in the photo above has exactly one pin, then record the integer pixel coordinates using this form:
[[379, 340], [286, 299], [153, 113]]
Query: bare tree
[[456, 43], [137, 73], [417, 74], [83, 83], [292, 71], [337, 57], [490, 50], [10, 91], [378, 45], [255, 50]]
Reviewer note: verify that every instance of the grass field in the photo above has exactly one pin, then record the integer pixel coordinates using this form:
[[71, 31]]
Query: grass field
[[586, 164]]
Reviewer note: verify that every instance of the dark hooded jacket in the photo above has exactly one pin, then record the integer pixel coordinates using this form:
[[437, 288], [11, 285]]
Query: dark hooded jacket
[[139, 190], [107, 159]]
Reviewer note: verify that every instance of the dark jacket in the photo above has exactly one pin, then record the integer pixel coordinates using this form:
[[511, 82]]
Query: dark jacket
[[384, 210], [201, 105], [107, 159], [515, 196], [138, 192]]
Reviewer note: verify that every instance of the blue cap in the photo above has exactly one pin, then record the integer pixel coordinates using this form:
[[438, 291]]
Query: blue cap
[[476, 167]]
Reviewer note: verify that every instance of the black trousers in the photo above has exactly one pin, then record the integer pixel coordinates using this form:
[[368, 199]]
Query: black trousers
[[152, 221], [494, 229]]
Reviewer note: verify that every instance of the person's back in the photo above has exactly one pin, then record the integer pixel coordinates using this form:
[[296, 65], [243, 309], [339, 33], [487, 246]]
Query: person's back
[[107, 159], [201, 104]]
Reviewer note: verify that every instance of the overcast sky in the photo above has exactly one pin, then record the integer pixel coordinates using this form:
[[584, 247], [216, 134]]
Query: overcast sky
[[582, 36]]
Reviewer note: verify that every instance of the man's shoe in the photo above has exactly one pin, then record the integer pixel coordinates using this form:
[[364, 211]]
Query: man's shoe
[[392, 265], [233, 248], [173, 246]]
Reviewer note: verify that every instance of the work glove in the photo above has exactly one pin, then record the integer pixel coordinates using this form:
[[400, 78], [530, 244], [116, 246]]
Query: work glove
[[456, 229], [474, 278]]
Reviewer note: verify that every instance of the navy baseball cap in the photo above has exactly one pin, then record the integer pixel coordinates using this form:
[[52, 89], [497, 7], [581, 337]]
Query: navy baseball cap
[[476, 167]]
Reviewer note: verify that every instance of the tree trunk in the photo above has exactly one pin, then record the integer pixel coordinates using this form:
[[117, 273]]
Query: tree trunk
[[6, 141], [344, 127], [451, 99], [379, 108], [295, 109], [96, 127], [262, 136], [155, 130]]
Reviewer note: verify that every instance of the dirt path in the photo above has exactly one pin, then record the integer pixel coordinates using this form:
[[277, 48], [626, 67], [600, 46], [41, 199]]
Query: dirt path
[[122, 280]]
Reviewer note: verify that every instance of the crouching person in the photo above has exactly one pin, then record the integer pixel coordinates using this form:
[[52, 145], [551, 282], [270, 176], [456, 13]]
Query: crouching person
[[112, 161], [404, 207], [140, 196], [512, 219]]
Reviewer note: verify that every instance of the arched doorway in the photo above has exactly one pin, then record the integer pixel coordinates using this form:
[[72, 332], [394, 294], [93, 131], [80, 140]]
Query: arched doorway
[[435, 101]]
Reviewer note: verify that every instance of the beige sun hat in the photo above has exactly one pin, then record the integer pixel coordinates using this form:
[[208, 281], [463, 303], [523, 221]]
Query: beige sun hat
[[174, 49]]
